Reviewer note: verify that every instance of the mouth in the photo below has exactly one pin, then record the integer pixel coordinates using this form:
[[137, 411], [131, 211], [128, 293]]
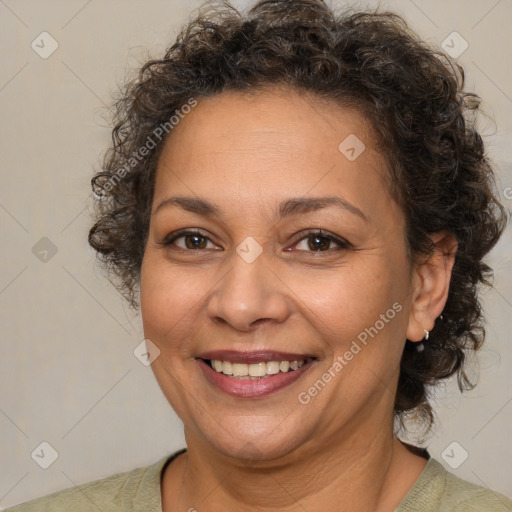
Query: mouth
[[260, 370], [253, 375]]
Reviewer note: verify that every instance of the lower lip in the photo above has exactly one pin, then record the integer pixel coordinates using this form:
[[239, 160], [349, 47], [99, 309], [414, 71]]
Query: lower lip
[[251, 388]]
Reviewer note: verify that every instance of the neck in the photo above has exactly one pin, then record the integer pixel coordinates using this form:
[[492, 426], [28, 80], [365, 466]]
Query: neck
[[368, 470]]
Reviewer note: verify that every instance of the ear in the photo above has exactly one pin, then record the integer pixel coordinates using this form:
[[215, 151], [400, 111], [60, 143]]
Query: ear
[[431, 283]]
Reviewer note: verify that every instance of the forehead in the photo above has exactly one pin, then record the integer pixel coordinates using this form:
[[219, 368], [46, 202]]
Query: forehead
[[270, 143], [294, 116]]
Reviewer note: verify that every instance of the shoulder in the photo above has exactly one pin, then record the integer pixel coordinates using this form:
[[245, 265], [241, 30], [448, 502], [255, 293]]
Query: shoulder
[[438, 490], [116, 493], [469, 497]]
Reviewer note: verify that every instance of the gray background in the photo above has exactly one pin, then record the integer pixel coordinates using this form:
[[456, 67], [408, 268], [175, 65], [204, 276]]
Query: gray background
[[68, 374]]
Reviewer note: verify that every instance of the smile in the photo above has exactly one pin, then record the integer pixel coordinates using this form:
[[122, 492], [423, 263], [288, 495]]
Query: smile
[[255, 370], [254, 375]]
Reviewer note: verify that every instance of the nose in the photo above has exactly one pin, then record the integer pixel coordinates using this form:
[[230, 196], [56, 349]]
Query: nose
[[249, 294]]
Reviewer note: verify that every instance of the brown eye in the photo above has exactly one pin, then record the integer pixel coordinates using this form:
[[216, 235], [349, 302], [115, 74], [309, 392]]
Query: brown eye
[[317, 241], [194, 241], [189, 240]]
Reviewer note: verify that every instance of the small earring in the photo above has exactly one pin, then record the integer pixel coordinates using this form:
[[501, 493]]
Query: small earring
[[420, 347]]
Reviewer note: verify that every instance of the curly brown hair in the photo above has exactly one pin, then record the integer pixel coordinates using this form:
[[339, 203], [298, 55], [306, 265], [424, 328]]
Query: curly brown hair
[[412, 95]]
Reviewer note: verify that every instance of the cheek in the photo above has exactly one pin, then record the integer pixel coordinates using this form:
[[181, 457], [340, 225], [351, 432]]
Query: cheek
[[167, 299], [347, 300]]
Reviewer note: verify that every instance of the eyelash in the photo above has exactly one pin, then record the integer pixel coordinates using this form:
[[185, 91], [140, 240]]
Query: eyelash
[[343, 244]]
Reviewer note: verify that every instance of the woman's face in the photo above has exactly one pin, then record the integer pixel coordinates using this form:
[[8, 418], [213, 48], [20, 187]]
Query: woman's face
[[258, 177]]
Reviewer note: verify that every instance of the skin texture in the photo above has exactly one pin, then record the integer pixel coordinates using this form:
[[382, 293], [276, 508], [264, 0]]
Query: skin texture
[[246, 154]]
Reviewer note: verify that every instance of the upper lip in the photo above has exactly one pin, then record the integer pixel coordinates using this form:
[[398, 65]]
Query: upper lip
[[257, 356]]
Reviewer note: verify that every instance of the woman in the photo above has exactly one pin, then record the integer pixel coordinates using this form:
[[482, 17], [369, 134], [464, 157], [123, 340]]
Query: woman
[[301, 204]]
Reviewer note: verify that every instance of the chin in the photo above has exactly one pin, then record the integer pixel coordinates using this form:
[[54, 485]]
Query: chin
[[254, 438]]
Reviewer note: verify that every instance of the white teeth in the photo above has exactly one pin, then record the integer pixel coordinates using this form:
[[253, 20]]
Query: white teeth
[[240, 369], [255, 370], [272, 367], [227, 367]]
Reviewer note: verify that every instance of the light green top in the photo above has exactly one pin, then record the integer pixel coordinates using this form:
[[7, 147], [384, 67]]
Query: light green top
[[436, 490]]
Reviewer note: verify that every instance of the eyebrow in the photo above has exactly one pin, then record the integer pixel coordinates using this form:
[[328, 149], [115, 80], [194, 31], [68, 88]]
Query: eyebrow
[[288, 208]]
